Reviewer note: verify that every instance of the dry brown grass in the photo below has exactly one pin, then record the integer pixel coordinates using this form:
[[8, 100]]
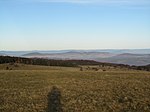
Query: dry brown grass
[[81, 91]]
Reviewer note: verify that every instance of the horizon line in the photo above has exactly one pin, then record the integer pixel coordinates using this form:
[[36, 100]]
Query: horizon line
[[81, 49]]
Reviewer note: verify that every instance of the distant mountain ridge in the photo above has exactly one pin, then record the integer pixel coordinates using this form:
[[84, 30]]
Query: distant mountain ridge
[[131, 57], [115, 51], [71, 55], [33, 54], [125, 58]]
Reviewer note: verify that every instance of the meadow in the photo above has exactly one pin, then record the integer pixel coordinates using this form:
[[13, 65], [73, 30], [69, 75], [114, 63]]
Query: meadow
[[32, 88]]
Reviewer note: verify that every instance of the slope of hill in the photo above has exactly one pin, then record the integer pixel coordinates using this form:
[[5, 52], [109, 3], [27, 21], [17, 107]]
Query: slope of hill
[[2, 54], [130, 59], [34, 54], [71, 55], [125, 58], [33, 88], [67, 63]]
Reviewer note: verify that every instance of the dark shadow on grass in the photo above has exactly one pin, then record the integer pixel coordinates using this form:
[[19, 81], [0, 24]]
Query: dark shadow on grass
[[54, 100]]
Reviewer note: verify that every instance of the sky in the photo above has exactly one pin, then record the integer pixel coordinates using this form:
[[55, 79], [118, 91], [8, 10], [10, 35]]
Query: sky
[[74, 24]]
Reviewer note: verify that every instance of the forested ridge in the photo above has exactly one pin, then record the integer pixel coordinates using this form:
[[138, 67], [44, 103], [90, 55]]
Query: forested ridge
[[65, 63]]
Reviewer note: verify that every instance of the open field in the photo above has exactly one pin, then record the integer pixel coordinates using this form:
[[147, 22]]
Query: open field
[[28, 88]]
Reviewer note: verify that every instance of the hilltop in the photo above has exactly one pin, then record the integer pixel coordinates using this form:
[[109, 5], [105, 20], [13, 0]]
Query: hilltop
[[137, 57]]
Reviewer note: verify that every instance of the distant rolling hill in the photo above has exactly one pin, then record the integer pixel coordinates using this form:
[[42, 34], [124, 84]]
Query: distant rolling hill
[[128, 58], [71, 55], [33, 54], [114, 51], [2, 54], [124, 58]]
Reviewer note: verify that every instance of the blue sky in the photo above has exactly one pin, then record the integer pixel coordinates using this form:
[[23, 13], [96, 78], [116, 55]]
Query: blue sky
[[74, 24]]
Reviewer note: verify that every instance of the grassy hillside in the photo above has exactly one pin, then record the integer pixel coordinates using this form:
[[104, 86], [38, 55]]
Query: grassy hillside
[[29, 88], [64, 63], [18, 66]]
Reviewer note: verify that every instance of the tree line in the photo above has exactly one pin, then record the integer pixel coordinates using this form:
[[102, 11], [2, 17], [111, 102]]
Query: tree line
[[46, 62], [65, 63]]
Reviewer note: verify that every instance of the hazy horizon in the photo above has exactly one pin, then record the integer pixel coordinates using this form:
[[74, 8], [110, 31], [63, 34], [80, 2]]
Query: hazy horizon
[[28, 25], [144, 49]]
